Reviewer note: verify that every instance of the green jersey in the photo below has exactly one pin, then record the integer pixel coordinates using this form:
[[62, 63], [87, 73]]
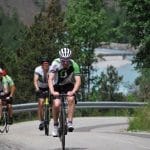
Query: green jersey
[[5, 83]]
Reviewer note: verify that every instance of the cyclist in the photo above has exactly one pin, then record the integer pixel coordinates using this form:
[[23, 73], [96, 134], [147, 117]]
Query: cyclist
[[41, 85], [7, 89], [64, 77]]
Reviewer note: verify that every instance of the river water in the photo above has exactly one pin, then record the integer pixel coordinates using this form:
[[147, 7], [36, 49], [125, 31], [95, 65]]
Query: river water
[[124, 67]]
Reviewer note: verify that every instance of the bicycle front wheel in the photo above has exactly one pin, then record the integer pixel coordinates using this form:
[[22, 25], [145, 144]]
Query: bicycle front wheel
[[63, 127], [4, 123]]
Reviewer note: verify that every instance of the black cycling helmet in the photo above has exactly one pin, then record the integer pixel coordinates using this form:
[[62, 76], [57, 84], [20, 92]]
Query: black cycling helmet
[[44, 59]]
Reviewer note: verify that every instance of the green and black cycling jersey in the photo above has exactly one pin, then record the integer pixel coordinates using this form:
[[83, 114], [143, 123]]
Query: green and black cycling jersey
[[64, 75]]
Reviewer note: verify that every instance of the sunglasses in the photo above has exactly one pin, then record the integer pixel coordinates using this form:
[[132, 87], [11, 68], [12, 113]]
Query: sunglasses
[[65, 60]]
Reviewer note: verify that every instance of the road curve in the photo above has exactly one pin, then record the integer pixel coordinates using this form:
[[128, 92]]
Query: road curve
[[91, 133]]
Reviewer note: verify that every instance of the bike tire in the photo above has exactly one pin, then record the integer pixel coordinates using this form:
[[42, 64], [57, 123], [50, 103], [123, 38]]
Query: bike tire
[[46, 120], [3, 125], [62, 132]]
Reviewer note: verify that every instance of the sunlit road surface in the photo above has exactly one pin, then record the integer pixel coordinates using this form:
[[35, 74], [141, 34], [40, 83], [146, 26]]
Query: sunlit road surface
[[92, 133]]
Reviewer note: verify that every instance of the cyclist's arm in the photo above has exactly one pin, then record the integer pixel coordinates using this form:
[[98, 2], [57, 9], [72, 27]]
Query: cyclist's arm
[[12, 90], [77, 84], [76, 77], [35, 80], [51, 78], [11, 85], [50, 82]]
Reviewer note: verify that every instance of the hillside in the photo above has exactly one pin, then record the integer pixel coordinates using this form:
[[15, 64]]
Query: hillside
[[26, 9]]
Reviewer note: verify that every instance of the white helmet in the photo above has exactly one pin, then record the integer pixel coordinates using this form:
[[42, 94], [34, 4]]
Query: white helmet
[[65, 53]]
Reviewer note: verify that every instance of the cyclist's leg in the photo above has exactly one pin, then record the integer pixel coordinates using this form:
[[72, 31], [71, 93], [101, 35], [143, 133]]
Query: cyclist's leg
[[10, 110], [10, 113], [71, 108], [41, 113], [41, 97], [40, 108], [55, 111], [56, 105]]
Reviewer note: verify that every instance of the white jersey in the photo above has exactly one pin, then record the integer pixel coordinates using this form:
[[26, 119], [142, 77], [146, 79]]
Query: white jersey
[[43, 79]]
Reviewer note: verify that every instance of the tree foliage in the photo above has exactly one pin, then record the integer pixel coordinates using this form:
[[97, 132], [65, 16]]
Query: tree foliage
[[114, 25], [85, 21], [11, 31], [137, 19], [26, 45], [43, 38], [82, 28], [137, 26], [144, 83], [108, 84]]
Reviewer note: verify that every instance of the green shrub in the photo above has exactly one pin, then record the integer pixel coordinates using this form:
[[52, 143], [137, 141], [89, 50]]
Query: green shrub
[[141, 119]]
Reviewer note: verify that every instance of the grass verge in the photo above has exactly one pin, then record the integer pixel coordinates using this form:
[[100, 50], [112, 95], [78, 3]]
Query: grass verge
[[140, 120]]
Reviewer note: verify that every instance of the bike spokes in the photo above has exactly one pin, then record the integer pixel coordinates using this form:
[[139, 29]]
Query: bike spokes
[[4, 124]]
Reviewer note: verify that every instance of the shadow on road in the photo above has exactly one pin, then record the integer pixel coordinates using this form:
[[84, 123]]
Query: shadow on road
[[75, 148], [87, 129]]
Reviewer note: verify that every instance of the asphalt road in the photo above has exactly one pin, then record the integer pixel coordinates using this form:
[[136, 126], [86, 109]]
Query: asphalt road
[[92, 133]]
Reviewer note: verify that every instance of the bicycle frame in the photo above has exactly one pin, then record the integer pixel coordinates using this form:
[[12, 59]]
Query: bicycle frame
[[4, 127]]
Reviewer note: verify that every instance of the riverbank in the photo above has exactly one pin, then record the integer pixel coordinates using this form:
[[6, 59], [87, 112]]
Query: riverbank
[[118, 46], [105, 61], [115, 61]]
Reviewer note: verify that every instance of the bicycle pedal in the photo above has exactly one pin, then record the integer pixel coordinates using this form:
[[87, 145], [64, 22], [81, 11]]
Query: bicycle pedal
[[70, 129]]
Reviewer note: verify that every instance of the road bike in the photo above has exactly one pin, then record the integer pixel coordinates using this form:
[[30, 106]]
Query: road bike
[[4, 126], [47, 112], [62, 130]]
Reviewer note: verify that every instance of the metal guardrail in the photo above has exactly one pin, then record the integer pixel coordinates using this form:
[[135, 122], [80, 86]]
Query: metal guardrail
[[81, 105]]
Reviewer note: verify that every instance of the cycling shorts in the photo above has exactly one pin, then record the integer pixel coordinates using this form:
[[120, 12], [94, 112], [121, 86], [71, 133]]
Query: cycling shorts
[[41, 93], [4, 100], [63, 89]]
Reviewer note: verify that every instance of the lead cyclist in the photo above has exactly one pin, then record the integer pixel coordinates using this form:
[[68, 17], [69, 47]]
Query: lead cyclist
[[64, 71]]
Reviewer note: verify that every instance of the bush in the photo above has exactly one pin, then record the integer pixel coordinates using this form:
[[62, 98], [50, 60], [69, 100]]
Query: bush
[[141, 120]]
